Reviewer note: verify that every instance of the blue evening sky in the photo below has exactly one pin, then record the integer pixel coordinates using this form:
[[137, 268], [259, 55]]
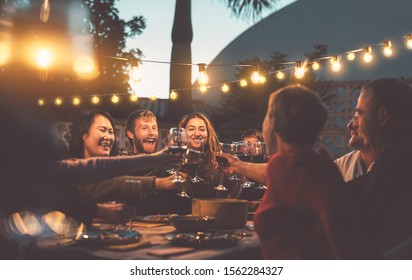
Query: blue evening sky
[[214, 27]]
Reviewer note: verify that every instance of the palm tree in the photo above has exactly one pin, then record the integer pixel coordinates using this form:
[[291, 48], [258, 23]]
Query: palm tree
[[182, 35]]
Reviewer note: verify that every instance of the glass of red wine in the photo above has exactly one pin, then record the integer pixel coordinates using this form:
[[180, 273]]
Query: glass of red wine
[[228, 149], [259, 155], [193, 159], [242, 151], [177, 141]]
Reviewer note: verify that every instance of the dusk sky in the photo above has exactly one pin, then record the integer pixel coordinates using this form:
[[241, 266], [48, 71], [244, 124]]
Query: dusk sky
[[214, 27]]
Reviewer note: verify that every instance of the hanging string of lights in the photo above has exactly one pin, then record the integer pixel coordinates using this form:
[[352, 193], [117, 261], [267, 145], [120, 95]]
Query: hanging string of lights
[[299, 68]]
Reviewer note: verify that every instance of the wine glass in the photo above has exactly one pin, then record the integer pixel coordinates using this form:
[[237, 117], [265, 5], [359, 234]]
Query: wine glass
[[192, 161], [177, 141], [242, 151], [259, 155], [228, 149], [258, 152]]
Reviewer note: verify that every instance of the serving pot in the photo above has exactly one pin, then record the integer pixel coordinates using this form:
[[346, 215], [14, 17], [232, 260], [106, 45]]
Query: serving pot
[[230, 213]]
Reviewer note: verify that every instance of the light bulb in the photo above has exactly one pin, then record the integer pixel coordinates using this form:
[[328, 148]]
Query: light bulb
[[135, 73], [335, 63], [243, 83], [203, 89], [367, 56], [387, 48], [280, 75], [225, 88], [153, 96], [76, 101], [203, 78], [5, 52], [336, 66], [58, 101], [115, 99], [133, 98], [350, 56], [315, 65], [173, 95], [95, 100], [84, 64], [45, 11], [40, 102], [299, 70], [255, 78], [409, 41], [44, 58], [262, 79]]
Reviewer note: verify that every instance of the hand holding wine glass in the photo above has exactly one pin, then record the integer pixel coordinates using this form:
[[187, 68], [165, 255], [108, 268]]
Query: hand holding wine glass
[[192, 160], [177, 141], [228, 149]]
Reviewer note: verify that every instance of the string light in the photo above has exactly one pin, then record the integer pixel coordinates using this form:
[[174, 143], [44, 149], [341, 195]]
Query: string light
[[45, 11], [95, 100], [243, 83], [335, 61], [409, 41], [225, 88], [255, 78], [299, 70], [44, 58], [173, 95], [387, 48], [153, 96], [280, 75], [367, 54], [115, 99], [85, 68], [203, 89], [58, 101], [135, 73], [350, 56], [76, 101], [5, 52], [133, 98], [203, 78], [86, 64], [315, 65]]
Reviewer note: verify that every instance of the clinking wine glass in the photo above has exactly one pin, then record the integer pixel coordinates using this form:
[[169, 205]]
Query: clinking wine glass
[[259, 155], [177, 141], [193, 159], [228, 149], [258, 152], [242, 151], [247, 156]]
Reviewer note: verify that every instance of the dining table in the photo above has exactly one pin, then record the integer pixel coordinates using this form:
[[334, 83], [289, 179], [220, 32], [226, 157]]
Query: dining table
[[156, 240]]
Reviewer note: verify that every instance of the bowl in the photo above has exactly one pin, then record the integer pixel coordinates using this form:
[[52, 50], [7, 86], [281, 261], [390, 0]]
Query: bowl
[[230, 213], [188, 223]]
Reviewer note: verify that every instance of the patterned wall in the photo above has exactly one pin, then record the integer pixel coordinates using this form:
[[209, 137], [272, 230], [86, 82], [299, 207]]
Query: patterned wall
[[341, 99]]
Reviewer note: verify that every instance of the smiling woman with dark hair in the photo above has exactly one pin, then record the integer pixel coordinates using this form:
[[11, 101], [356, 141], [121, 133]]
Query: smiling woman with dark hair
[[93, 135]]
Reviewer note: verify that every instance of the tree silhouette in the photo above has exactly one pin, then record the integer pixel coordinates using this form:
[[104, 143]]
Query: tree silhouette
[[182, 34], [110, 33]]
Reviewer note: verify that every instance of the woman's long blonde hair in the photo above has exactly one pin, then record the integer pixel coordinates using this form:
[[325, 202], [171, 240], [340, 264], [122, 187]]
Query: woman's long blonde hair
[[211, 145]]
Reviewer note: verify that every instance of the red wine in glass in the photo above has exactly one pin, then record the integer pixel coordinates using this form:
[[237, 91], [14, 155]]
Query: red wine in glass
[[222, 161]]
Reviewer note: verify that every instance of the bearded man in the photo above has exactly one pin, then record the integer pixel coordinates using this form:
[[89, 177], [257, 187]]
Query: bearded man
[[142, 131]]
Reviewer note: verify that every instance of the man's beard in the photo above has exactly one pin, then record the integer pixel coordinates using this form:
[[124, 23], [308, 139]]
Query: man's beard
[[138, 143]]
